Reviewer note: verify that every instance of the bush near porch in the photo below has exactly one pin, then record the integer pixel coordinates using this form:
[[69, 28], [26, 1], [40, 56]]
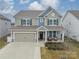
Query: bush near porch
[[55, 46]]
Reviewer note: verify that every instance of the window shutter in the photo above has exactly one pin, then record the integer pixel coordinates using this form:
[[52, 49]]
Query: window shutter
[[38, 21], [57, 21], [48, 22], [30, 21], [21, 22]]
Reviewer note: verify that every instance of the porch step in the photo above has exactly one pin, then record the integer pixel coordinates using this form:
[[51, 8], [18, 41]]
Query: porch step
[[40, 44]]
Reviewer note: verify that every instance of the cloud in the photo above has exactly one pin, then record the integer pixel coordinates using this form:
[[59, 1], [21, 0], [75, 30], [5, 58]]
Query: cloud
[[24, 1], [7, 7], [44, 4], [35, 6], [52, 3], [9, 1]]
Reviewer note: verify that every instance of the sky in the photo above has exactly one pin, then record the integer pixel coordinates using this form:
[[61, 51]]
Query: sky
[[11, 7]]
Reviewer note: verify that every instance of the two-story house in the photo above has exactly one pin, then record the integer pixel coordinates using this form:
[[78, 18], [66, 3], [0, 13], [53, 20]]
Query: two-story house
[[38, 25]]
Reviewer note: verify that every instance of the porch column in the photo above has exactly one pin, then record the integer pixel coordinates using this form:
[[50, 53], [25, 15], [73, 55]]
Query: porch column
[[62, 36], [11, 36], [45, 36], [37, 37]]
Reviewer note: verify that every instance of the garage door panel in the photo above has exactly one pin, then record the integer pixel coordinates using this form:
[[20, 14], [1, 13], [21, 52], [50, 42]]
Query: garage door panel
[[24, 37]]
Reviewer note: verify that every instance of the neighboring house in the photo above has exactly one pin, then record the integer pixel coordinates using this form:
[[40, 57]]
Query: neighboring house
[[38, 25], [5, 25], [71, 24]]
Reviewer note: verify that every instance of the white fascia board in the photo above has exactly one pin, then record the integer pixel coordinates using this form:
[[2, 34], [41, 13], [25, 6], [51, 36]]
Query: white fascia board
[[41, 27], [24, 32]]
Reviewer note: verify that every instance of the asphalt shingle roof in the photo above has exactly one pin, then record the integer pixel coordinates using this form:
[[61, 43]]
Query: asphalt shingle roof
[[29, 13], [75, 13], [2, 17], [36, 13]]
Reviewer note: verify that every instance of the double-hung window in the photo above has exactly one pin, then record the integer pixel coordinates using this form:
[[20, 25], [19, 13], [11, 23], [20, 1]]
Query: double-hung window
[[29, 22], [40, 21], [54, 33], [50, 34], [52, 21], [26, 22], [23, 22], [55, 21]]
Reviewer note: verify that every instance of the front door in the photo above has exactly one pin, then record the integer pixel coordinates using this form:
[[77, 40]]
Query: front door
[[41, 35]]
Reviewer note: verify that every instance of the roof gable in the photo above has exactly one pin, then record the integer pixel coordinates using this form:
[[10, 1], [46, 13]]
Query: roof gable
[[48, 11], [41, 28]]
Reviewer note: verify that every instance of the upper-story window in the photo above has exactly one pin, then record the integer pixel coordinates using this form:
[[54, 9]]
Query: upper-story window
[[26, 22], [52, 21], [23, 22], [56, 22], [40, 21]]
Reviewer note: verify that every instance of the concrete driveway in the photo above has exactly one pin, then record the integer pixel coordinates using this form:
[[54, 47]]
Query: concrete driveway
[[20, 50]]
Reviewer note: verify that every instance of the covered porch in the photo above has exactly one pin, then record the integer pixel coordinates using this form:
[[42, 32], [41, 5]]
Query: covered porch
[[45, 34]]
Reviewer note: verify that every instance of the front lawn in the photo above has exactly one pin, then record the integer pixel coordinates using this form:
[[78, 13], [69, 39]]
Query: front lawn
[[71, 53], [3, 42], [53, 54]]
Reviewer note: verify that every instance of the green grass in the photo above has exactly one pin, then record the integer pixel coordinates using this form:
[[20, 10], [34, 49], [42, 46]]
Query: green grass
[[71, 53], [3, 42]]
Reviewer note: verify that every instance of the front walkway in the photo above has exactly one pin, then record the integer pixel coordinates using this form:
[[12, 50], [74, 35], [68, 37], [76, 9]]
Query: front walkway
[[20, 50]]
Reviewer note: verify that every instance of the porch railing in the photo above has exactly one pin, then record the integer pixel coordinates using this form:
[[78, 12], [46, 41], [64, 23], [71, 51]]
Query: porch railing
[[53, 39]]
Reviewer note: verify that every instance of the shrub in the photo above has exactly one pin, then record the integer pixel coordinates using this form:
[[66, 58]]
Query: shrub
[[54, 46]]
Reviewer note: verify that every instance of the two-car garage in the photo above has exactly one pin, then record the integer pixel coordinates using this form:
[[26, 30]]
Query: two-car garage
[[25, 37]]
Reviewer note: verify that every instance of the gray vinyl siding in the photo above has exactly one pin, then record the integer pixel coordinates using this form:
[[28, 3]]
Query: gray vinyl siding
[[71, 25], [4, 27]]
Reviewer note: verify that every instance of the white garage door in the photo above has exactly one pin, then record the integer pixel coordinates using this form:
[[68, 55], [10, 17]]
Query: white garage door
[[25, 37]]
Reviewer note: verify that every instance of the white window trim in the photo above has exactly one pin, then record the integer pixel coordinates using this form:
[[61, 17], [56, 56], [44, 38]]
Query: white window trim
[[41, 20], [23, 24], [26, 22], [52, 22]]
